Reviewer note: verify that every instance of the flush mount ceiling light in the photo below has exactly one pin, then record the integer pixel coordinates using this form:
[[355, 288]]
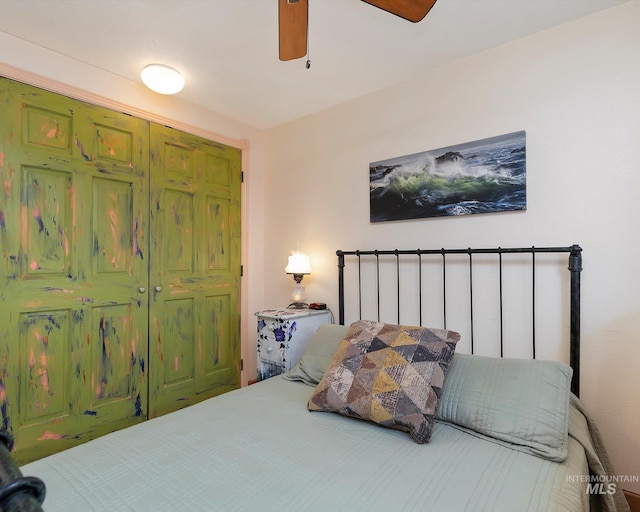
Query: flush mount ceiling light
[[162, 79]]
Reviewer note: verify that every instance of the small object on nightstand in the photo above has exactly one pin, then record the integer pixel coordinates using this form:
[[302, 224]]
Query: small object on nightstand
[[317, 305], [298, 305], [283, 335]]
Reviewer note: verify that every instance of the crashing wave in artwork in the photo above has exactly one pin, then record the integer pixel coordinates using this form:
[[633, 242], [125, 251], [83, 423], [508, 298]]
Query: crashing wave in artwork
[[484, 176]]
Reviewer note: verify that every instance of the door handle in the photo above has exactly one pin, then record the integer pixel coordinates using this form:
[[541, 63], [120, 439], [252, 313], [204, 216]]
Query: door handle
[[142, 289], [158, 288]]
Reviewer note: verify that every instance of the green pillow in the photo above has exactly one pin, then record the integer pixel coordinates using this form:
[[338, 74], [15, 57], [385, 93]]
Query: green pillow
[[318, 355], [522, 403]]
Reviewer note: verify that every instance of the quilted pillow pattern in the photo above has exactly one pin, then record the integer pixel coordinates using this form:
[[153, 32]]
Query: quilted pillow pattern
[[389, 374], [523, 403]]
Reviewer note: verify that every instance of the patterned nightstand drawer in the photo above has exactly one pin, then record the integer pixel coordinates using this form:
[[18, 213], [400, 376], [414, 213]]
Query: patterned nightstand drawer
[[283, 336], [271, 349]]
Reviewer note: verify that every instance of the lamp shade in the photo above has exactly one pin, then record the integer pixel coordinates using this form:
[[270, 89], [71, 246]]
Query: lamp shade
[[162, 79], [298, 264]]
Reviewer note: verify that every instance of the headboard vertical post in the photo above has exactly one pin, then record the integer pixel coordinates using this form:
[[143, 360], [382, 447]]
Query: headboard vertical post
[[398, 282], [444, 288], [575, 267], [340, 255], [471, 296]]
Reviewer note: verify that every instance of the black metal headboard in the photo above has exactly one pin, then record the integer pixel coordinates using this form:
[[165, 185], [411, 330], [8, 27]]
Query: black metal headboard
[[575, 267]]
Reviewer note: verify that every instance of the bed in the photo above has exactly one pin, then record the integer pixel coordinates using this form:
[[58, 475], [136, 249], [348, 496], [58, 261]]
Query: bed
[[499, 433]]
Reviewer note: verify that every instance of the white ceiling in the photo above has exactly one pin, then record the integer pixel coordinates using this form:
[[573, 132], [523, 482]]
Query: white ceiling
[[228, 49]]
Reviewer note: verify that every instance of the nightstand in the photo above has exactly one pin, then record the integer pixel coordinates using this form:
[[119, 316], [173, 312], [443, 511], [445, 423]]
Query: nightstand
[[283, 335]]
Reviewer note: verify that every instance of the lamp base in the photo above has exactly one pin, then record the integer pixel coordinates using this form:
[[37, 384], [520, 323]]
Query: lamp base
[[298, 305]]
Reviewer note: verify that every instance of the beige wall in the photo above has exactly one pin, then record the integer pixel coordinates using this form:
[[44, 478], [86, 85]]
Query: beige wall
[[575, 89]]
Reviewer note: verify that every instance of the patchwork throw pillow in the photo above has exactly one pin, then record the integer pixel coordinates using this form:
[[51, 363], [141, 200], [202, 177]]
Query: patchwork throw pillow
[[389, 374]]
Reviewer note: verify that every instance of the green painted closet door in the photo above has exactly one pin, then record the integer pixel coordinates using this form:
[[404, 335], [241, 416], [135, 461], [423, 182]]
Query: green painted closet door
[[74, 269], [194, 314]]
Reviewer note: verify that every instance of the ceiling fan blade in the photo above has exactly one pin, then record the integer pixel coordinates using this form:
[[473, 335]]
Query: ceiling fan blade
[[412, 10], [293, 21]]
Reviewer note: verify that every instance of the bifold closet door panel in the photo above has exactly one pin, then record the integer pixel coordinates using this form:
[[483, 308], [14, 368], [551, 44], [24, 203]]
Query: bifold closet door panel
[[120, 270], [194, 311], [74, 300]]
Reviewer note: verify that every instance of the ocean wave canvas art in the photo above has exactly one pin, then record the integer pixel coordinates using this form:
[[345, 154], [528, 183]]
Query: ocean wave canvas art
[[484, 176]]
